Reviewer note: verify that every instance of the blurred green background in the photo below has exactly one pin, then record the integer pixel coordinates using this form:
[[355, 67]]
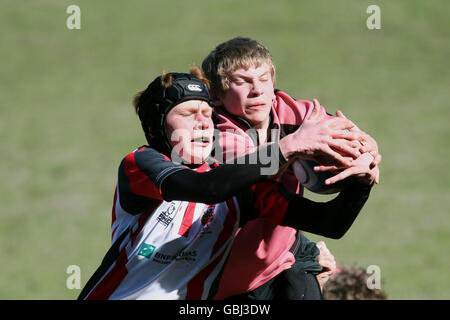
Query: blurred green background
[[66, 121]]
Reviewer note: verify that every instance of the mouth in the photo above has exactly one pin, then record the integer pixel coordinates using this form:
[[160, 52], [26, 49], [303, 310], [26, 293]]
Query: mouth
[[256, 105], [201, 140]]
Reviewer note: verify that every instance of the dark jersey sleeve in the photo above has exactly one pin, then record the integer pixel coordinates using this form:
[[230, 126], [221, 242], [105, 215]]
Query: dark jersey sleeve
[[332, 219], [147, 175], [225, 181]]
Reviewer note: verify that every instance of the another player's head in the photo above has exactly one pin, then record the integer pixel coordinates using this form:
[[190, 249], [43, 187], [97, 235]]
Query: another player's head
[[175, 115], [242, 76], [350, 283]]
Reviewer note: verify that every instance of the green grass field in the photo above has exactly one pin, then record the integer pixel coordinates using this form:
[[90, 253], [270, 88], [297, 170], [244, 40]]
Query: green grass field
[[66, 121]]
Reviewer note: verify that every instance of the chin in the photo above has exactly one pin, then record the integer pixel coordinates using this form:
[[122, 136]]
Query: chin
[[257, 122], [197, 157], [259, 117]]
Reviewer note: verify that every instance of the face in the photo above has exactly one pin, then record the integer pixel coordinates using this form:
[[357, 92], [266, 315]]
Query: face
[[190, 128], [250, 95]]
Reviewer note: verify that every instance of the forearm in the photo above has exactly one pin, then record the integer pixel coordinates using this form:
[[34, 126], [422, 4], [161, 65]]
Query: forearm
[[223, 182], [330, 219]]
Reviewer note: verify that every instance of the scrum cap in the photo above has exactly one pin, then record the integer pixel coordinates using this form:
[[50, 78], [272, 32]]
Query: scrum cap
[[157, 101]]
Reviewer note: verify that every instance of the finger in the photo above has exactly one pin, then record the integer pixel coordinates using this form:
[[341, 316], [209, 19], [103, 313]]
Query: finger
[[325, 261], [342, 147], [368, 146], [376, 160], [326, 168], [367, 137], [340, 124], [354, 144], [353, 133], [316, 110], [326, 258], [340, 114], [320, 244], [316, 102], [373, 164], [326, 265], [375, 173], [325, 154], [340, 176], [345, 134], [337, 157]]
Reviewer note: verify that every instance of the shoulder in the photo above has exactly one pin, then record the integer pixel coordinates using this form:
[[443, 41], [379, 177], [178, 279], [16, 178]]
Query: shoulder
[[284, 100], [290, 110], [150, 162], [145, 169], [143, 155]]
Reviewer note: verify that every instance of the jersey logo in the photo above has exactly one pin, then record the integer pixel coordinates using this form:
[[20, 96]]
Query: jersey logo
[[194, 87], [208, 216], [146, 250], [167, 216]]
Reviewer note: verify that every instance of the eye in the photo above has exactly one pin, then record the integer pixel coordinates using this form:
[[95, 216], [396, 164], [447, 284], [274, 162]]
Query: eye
[[207, 112], [186, 113], [237, 81]]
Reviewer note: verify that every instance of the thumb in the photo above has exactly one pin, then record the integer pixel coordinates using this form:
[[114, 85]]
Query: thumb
[[315, 114], [340, 114]]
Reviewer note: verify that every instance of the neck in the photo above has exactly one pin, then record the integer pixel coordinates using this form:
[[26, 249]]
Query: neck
[[262, 129], [262, 135]]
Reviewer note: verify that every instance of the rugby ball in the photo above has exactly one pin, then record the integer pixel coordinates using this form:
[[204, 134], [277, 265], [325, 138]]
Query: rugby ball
[[311, 180]]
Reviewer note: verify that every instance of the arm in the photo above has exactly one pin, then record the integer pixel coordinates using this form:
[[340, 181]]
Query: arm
[[222, 182], [330, 219]]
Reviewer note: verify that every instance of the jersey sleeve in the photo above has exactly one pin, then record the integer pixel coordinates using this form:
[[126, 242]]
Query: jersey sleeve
[[332, 219], [224, 181], [140, 176]]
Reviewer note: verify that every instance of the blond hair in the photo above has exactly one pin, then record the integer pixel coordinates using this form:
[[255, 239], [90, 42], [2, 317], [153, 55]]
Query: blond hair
[[231, 55]]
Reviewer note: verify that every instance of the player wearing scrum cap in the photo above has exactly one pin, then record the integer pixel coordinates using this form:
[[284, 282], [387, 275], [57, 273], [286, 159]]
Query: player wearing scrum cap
[[173, 224]]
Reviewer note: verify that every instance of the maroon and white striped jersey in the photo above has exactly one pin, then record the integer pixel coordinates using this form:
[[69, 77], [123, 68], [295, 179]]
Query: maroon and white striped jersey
[[170, 249]]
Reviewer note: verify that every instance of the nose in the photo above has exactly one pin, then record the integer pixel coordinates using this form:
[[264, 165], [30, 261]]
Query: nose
[[256, 88], [202, 121]]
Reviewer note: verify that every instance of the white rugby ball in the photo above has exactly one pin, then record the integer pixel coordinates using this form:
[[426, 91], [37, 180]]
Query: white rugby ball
[[311, 180]]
